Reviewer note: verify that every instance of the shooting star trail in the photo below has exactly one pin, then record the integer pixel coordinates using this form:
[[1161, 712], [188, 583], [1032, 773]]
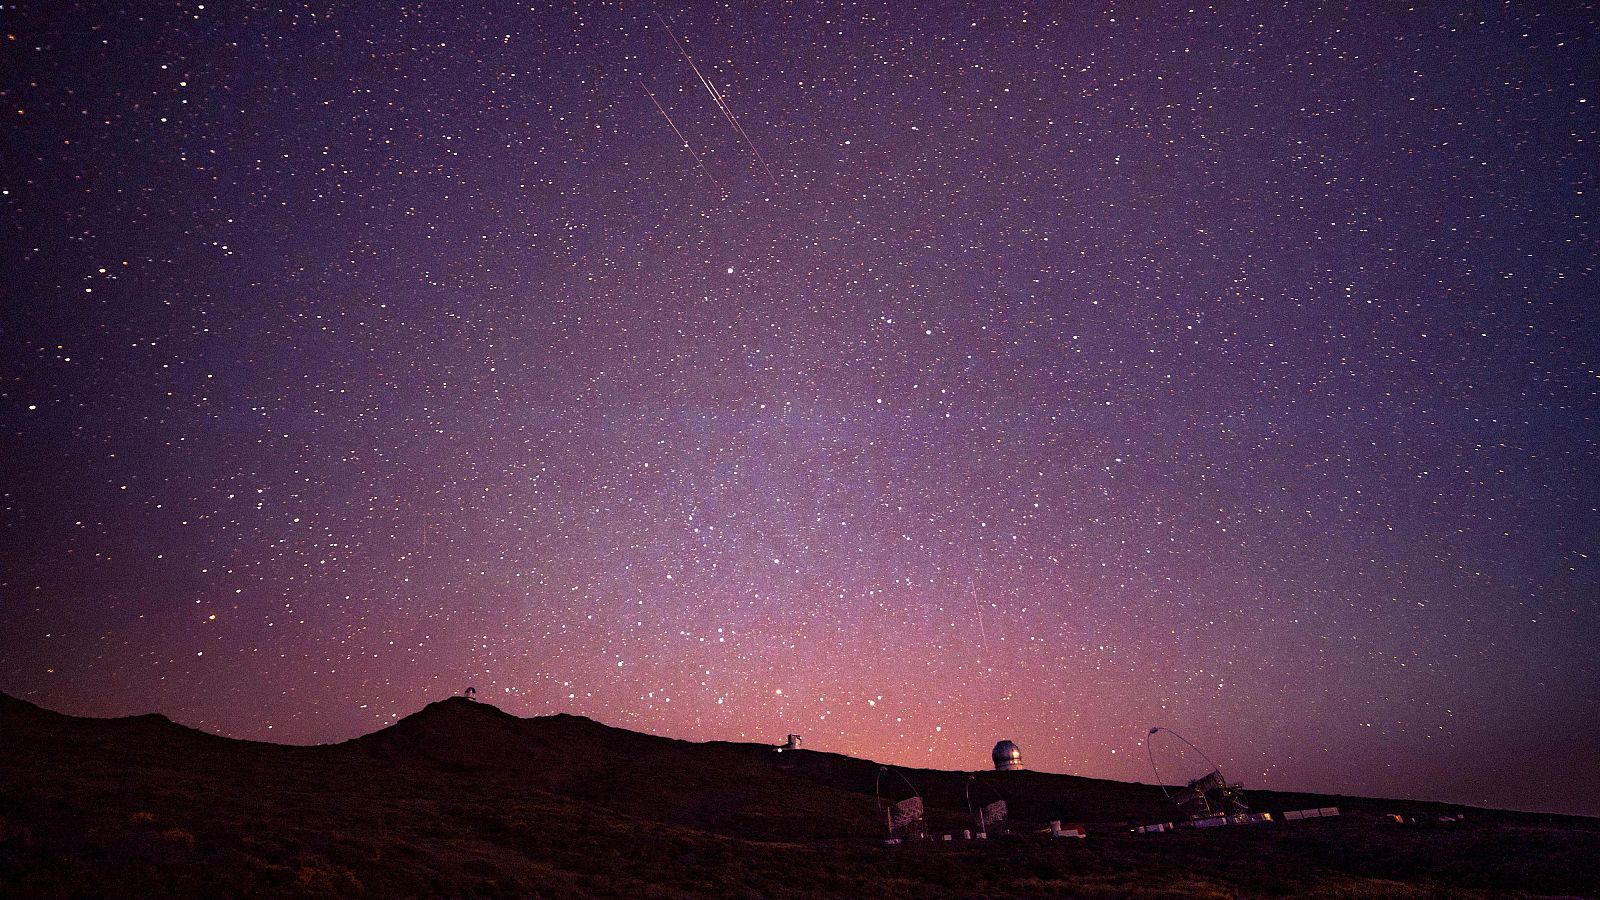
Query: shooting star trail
[[690, 60], [717, 98], [674, 126], [979, 607], [734, 121]]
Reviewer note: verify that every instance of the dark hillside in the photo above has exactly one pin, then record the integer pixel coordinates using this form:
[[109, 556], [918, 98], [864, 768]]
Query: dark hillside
[[462, 799], [736, 789]]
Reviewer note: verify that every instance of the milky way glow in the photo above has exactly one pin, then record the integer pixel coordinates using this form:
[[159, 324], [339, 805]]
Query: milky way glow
[[902, 379]]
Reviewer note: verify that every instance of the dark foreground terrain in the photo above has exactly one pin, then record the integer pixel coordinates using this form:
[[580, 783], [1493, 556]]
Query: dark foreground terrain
[[462, 799]]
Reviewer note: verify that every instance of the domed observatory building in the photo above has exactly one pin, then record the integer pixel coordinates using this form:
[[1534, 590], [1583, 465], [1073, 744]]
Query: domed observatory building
[[1007, 757]]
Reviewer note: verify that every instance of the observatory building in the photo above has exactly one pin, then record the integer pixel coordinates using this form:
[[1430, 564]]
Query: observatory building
[[1007, 756]]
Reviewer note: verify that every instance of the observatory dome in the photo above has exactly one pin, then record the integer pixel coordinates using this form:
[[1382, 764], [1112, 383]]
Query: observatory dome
[[1007, 756]]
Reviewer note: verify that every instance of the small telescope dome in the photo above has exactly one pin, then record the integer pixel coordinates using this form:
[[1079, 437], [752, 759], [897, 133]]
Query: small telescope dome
[[1007, 756]]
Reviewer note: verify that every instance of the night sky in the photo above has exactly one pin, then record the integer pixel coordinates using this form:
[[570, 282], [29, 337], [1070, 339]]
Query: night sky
[[906, 379]]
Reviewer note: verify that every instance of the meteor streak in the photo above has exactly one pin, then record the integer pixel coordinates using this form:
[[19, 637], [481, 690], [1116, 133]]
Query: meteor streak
[[717, 97], [674, 126], [734, 121], [975, 605]]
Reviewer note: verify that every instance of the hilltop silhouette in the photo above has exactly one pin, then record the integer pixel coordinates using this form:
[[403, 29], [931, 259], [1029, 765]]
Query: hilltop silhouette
[[463, 799]]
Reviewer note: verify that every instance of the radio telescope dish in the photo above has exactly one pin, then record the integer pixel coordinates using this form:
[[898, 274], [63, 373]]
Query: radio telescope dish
[[904, 818], [1204, 792]]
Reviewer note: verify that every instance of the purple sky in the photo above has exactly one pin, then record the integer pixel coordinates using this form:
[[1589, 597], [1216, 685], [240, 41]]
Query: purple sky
[[905, 379]]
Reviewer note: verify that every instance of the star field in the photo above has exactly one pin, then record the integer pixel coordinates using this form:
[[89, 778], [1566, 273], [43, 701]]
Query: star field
[[904, 379]]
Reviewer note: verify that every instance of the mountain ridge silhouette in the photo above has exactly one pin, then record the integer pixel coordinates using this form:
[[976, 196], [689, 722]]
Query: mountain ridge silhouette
[[464, 799]]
